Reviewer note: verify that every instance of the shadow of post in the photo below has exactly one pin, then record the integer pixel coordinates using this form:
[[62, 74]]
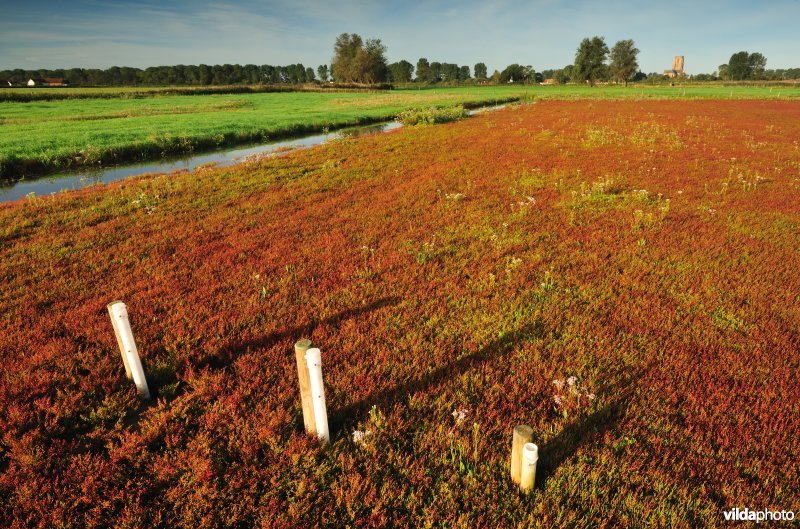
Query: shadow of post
[[581, 432], [563, 446], [491, 351], [225, 356], [228, 354]]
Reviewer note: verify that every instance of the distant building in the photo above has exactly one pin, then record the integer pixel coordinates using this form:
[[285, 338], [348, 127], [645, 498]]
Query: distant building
[[5, 83], [49, 81], [549, 81], [56, 81], [677, 68]]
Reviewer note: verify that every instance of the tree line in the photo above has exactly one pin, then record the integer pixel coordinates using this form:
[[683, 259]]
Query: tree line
[[364, 61], [594, 62], [743, 66], [202, 74], [357, 60]]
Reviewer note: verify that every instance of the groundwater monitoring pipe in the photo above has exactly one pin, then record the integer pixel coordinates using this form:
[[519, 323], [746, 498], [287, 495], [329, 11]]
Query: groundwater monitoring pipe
[[119, 338], [303, 378], [522, 434], [314, 360], [530, 455], [119, 315]]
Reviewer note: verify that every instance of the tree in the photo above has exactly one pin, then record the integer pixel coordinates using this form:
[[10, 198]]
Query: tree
[[423, 70], [739, 66], [270, 74], [344, 57], [401, 72], [322, 71], [480, 71], [758, 63], [514, 73], [449, 72], [376, 69], [251, 73], [623, 60], [436, 72], [204, 74], [296, 73], [590, 60], [529, 75], [235, 75], [463, 73], [743, 65], [357, 61], [310, 75], [113, 76]]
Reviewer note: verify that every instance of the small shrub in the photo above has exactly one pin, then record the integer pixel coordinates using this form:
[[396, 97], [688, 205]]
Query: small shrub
[[431, 116]]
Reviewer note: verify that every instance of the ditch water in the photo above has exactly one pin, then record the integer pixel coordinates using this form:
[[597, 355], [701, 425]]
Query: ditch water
[[86, 177]]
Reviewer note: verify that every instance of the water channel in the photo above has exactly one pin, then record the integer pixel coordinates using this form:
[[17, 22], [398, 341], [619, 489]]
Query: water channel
[[46, 185]]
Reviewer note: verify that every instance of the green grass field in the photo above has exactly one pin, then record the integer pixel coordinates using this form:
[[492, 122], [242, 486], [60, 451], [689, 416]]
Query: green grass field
[[46, 136]]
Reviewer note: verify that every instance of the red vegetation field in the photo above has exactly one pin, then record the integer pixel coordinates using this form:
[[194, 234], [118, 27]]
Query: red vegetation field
[[450, 274]]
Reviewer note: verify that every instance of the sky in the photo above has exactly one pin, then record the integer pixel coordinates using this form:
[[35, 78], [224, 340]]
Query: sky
[[542, 33]]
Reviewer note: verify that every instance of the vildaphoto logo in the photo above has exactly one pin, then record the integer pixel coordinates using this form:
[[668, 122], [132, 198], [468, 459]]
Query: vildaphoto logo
[[746, 515]]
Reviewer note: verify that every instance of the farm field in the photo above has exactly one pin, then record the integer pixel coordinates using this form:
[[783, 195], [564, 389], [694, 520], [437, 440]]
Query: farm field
[[46, 136], [621, 275]]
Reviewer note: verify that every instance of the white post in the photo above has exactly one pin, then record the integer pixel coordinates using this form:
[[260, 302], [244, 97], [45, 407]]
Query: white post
[[306, 400], [110, 308], [314, 359], [119, 314], [522, 434], [530, 455]]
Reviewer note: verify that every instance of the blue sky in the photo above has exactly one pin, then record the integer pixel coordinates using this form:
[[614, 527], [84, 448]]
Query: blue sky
[[541, 33]]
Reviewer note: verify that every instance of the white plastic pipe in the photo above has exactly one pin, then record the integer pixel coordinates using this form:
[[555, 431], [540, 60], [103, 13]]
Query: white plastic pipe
[[120, 315], [530, 455], [114, 324], [314, 360]]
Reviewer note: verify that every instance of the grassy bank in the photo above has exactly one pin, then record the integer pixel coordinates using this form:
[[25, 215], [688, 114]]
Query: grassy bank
[[621, 277]]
